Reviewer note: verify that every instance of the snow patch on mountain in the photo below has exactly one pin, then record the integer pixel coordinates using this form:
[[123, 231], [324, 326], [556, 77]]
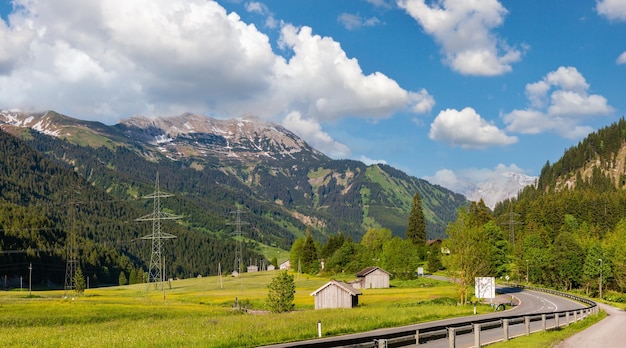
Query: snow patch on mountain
[[492, 186]]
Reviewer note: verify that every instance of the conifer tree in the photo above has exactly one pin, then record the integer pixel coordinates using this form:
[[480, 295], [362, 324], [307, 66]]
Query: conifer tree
[[416, 230], [79, 281]]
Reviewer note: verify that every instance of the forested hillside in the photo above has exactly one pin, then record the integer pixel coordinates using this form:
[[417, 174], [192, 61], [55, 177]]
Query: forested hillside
[[574, 217], [42, 201]]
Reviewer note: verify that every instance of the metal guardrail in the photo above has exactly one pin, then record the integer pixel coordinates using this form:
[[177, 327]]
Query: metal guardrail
[[435, 332]]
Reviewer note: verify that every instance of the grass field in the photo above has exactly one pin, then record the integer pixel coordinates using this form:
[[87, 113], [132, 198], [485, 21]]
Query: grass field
[[198, 312]]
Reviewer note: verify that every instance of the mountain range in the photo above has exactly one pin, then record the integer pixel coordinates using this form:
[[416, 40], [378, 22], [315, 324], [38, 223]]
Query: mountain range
[[217, 166]]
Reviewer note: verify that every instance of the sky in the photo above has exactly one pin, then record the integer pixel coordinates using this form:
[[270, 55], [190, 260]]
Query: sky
[[447, 90]]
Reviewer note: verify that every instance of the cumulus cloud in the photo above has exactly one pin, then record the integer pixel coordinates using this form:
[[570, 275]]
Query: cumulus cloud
[[344, 90], [355, 21], [558, 103], [467, 129], [312, 131], [464, 31], [622, 58], [110, 59], [612, 9]]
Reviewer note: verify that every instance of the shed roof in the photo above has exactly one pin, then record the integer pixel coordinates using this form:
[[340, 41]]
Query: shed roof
[[369, 270], [340, 284]]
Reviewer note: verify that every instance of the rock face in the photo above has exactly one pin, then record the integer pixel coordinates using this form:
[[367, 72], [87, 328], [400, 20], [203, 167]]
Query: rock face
[[246, 139]]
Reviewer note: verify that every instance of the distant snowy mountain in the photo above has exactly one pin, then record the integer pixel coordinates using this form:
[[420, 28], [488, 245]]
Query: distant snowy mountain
[[498, 188]]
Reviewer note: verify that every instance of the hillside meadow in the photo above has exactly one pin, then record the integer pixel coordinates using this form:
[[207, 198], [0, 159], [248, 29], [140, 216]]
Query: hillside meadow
[[200, 312]]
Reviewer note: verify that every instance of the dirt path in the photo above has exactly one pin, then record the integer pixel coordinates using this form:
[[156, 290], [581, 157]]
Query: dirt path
[[605, 334]]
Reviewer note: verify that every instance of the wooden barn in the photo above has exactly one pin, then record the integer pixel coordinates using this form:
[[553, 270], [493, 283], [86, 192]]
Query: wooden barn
[[371, 278], [336, 294], [285, 264]]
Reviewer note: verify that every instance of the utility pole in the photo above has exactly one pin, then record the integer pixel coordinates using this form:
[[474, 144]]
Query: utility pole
[[156, 268], [30, 279], [600, 278], [527, 274]]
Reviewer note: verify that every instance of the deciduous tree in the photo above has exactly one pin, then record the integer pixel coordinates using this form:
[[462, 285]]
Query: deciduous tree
[[281, 293]]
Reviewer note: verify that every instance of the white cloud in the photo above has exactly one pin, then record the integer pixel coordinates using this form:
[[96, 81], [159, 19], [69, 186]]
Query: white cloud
[[344, 90], [355, 21], [312, 132], [468, 130], [446, 178], [464, 31], [558, 103], [368, 161], [622, 58], [109, 59], [380, 3], [612, 9], [262, 9]]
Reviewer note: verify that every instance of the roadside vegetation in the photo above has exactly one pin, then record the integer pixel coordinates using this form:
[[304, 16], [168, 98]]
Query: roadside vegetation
[[550, 338]]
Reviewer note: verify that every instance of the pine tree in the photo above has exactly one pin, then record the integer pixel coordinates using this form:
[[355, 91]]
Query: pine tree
[[79, 282], [310, 262], [416, 230], [281, 293], [122, 278]]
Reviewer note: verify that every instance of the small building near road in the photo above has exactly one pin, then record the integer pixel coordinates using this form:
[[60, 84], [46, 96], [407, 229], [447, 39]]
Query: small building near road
[[285, 265], [336, 294], [371, 278]]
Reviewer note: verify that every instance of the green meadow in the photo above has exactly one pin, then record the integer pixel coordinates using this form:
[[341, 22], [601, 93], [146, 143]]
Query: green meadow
[[201, 312]]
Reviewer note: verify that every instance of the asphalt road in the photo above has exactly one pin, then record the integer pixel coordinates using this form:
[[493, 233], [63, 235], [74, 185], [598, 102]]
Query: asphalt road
[[530, 302], [605, 334]]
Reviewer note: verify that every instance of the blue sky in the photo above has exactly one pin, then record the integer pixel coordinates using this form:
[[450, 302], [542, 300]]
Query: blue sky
[[445, 90]]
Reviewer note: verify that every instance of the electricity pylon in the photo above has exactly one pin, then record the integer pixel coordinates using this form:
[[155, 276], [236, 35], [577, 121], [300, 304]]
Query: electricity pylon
[[511, 224], [238, 241], [71, 246], [156, 269]]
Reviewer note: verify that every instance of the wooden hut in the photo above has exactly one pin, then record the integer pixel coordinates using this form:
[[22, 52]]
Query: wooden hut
[[371, 278], [285, 264], [336, 294]]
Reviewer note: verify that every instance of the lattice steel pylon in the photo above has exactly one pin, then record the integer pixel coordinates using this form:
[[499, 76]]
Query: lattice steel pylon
[[511, 222], [71, 249], [238, 234], [156, 269]]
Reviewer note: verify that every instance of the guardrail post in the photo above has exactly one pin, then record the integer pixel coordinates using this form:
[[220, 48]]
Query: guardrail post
[[417, 337], [527, 325], [575, 316], [543, 322], [556, 320], [477, 335], [505, 328], [566, 318], [451, 337]]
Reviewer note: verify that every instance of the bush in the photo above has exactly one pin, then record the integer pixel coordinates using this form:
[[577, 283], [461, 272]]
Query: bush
[[281, 294]]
